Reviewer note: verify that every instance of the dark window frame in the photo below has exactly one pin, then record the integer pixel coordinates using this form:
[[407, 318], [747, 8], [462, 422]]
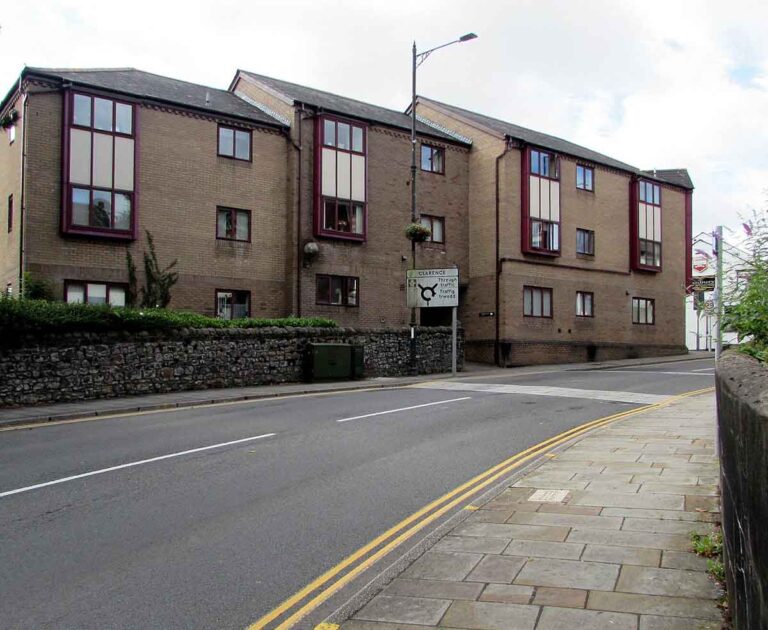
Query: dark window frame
[[590, 238], [432, 218], [85, 283], [591, 170], [234, 130], [553, 162], [233, 291], [234, 212], [542, 291], [636, 301], [344, 292], [532, 221], [580, 297], [68, 226], [640, 246], [10, 214], [433, 149]]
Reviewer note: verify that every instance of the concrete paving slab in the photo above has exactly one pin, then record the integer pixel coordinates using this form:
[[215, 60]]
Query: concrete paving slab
[[417, 610], [507, 594], [443, 565], [666, 527], [568, 574], [559, 508], [525, 532], [673, 515], [613, 486], [471, 544], [561, 597], [678, 488], [433, 589], [622, 555], [683, 560], [569, 618], [670, 582], [618, 499], [652, 622], [490, 616], [361, 624], [675, 542], [489, 516], [543, 549], [551, 485], [695, 503], [654, 605], [496, 569], [566, 520]]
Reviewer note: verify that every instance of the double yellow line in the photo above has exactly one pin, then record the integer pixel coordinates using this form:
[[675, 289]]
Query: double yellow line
[[420, 519]]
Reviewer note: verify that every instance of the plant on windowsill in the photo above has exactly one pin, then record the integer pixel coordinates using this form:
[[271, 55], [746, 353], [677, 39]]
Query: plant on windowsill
[[417, 232], [9, 119]]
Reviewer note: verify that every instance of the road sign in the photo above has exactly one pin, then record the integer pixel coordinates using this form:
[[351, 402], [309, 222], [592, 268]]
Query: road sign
[[703, 283], [700, 263], [427, 288], [709, 307]]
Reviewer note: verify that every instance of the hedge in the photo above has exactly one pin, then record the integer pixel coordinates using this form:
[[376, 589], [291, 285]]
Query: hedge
[[36, 316]]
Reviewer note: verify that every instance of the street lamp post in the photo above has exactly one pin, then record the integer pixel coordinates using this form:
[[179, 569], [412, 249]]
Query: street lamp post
[[417, 59]]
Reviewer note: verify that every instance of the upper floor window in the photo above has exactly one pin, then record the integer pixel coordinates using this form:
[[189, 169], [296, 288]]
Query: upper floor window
[[648, 233], [543, 164], [340, 206], [11, 134], [585, 178], [643, 310], [100, 156], [233, 304], [233, 224], [10, 213], [537, 302], [545, 235], [432, 159], [436, 226], [235, 143], [585, 302], [336, 290], [94, 293], [585, 242]]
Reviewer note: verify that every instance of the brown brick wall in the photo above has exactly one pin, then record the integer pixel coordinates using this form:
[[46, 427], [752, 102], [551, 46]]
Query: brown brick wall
[[181, 181], [10, 184]]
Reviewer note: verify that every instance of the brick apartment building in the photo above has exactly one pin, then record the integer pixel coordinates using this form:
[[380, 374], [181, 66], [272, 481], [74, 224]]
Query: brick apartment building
[[280, 199]]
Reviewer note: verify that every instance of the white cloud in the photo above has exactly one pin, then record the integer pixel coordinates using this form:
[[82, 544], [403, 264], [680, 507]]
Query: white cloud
[[655, 84]]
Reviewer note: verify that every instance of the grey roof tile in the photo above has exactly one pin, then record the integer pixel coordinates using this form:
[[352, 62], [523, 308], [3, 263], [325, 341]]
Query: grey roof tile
[[676, 176]]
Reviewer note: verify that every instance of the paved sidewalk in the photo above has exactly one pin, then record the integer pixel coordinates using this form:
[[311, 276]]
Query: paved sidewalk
[[149, 402], [611, 550]]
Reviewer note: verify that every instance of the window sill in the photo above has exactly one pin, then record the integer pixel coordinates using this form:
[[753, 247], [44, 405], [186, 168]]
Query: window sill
[[647, 268], [235, 159], [341, 236], [550, 253], [585, 256], [111, 235]]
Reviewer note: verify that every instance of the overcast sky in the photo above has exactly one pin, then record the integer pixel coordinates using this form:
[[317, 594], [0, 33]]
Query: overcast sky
[[657, 84]]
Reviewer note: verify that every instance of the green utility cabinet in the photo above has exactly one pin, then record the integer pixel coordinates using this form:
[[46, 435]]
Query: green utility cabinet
[[333, 362]]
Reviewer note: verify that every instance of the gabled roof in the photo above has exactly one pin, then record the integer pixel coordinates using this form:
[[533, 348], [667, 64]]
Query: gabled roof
[[137, 83], [676, 177], [333, 103]]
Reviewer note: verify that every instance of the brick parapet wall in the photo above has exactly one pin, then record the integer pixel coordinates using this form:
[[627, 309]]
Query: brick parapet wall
[[84, 366]]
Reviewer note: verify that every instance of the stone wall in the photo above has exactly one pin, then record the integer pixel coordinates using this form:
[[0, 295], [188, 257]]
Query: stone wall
[[83, 366], [742, 409]]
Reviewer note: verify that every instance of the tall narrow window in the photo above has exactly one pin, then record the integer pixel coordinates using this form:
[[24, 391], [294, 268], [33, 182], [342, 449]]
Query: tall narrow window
[[541, 222], [233, 304], [648, 227], [235, 143], [100, 158], [10, 213], [336, 290], [585, 302], [436, 225], [643, 311], [432, 159], [537, 302], [585, 178], [340, 209], [585, 242]]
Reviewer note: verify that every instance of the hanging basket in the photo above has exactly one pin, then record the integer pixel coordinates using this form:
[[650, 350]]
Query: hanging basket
[[417, 232]]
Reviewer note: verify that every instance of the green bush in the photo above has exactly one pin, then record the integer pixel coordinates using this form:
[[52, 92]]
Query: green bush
[[35, 316]]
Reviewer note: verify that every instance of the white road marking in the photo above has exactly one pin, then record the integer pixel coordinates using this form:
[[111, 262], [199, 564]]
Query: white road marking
[[101, 471], [709, 369], [693, 373], [535, 390], [381, 413]]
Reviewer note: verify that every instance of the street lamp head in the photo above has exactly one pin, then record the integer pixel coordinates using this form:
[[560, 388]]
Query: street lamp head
[[467, 37]]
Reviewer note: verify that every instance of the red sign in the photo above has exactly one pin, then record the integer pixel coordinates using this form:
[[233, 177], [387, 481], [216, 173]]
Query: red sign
[[700, 264]]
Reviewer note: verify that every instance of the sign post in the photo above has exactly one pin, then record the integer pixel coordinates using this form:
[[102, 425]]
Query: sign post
[[430, 288]]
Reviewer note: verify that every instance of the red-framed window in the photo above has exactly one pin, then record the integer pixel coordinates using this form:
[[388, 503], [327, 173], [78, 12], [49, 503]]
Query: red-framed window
[[585, 304], [341, 179], [337, 290], [432, 159], [585, 242], [643, 311], [233, 224], [537, 302], [100, 163], [10, 213], [436, 225], [234, 142], [86, 292], [541, 203], [585, 178], [646, 226], [233, 304]]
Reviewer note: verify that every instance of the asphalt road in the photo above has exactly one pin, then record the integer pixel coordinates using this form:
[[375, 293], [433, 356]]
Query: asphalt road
[[217, 537]]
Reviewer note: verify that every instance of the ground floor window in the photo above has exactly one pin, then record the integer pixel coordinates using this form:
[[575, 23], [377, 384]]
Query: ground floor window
[[337, 290], [643, 310], [537, 302], [233, 304], [94, 293], [585, 302]]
